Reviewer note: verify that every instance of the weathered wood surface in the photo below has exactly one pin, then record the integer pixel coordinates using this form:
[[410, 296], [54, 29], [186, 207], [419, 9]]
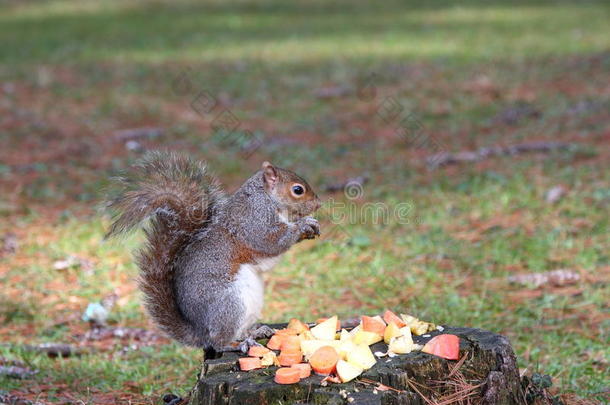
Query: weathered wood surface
[[490, 366]]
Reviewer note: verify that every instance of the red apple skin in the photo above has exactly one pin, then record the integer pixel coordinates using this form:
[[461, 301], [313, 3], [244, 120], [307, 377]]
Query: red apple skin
[[446, 346], [389, 316]]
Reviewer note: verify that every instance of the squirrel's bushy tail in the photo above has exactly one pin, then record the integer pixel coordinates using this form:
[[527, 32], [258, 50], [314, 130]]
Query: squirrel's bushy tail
[[179, 198]]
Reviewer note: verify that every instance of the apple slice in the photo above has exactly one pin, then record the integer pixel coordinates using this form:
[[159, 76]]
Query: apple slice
[[418, 327], [379, 318], [308, 347], [320, 320], [408, 319], [361, 357], [344, 348], [401, 345], [367, 338], [373, 324], [392, 331], [296, 325], [306, 335], [344, 335], [347, 371], [325, 330], [269, 359], [390, 317], [446, 346]]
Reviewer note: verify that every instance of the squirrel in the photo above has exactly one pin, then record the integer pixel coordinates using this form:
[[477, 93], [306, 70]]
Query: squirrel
[[200, 268]]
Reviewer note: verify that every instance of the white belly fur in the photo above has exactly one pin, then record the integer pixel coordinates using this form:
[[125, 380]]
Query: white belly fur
[[250, 288]]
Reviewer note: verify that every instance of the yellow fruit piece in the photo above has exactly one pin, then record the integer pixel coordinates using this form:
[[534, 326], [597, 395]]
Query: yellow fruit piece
[[347, 371], [269, 359], [357, 329], [417, 327], [392, 331], [362, 357], [306, 335], [325, 330], [402, 344], [431, 326], [308, 347], [408, 318], [344, 335], [344, 347], [297, 325], [367, 338]]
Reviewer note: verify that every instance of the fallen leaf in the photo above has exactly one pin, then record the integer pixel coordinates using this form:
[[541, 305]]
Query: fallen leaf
[[555, 194], [557, 278]]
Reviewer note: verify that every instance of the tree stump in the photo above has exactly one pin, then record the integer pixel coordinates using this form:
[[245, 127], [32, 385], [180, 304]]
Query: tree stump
[[486, 373]]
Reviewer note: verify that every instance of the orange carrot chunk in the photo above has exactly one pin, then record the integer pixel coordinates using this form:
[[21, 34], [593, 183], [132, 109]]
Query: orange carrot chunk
[[287, 375], [324, 360], [389, 316], [288, 358], [257, 351], [275, 343], [249, 363], [304, 369], [370, 324], [291, 343], [284, 332]]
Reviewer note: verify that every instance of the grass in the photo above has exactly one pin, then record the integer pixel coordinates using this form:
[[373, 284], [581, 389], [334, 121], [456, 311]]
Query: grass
[[297, 32], [74, 72]]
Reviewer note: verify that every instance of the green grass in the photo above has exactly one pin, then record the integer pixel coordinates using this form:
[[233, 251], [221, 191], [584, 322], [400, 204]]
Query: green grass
[[298, 32], [74, 72]]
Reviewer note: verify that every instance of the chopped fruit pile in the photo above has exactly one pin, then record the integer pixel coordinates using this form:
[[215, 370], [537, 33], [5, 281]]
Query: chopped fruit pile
[[341, 354]]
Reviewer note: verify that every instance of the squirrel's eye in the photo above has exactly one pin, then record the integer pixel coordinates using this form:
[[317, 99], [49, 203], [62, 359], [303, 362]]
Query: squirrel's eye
[[298, 189]]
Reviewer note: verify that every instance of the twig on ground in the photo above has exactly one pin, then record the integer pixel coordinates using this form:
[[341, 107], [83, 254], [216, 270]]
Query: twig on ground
[[556, 278], [55, 349], [8, 243], [138, 133], [445, 158], [16, 372], [100, 333]]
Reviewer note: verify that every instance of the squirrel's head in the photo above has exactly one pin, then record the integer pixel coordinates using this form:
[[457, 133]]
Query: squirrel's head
[[295, 197]]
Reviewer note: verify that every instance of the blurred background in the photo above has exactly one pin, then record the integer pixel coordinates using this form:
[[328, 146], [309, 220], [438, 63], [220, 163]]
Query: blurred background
[[486, 122]]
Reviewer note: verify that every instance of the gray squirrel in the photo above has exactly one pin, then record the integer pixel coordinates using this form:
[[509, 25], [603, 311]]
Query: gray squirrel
[[200, 268]]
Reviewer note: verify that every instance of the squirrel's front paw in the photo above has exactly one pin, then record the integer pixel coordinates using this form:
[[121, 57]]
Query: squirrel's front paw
[[262, 332], [309, 227]]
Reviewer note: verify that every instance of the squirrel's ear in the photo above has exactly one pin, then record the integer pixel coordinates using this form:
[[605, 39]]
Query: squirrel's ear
[[269, 174]]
